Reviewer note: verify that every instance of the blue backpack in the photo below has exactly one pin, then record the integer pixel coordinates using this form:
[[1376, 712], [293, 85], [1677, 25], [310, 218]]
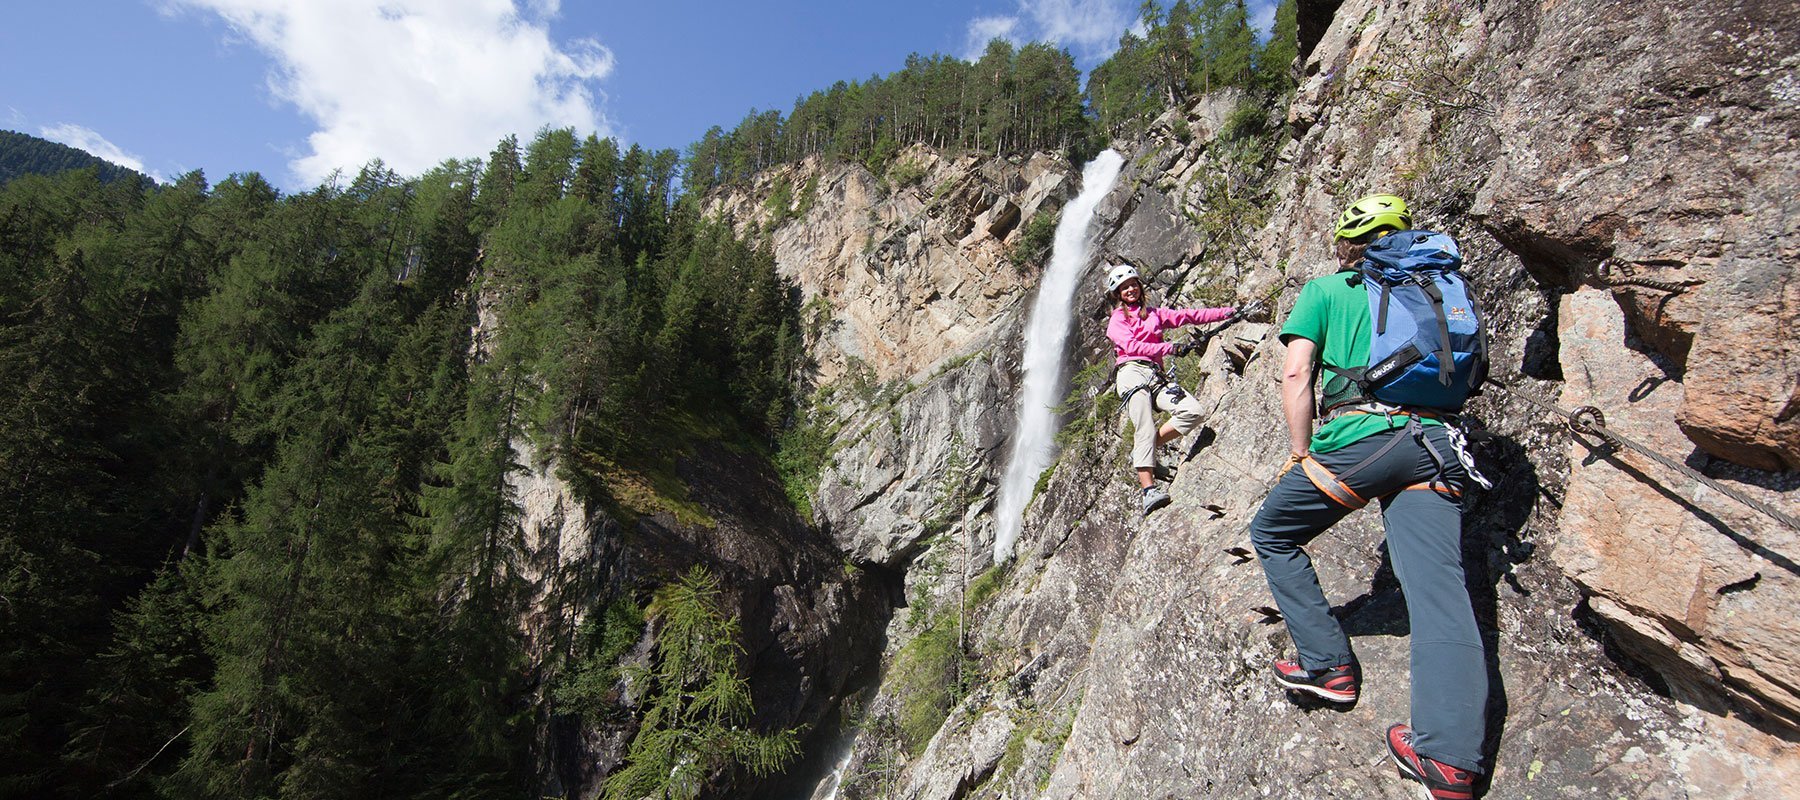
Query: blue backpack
[[1429, 346]]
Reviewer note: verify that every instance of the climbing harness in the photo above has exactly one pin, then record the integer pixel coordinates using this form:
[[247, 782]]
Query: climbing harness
[[1337, 486], [1589, 420], [1163, 383]]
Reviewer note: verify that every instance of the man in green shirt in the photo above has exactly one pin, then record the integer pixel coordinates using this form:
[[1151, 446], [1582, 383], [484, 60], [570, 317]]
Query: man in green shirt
[[1366, 451]]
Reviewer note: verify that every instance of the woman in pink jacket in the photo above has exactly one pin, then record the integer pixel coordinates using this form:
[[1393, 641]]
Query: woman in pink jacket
[[1136, 331]]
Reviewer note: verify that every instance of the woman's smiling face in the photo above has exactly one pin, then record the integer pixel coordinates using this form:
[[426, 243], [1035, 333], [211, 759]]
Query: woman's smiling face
[[1132, 292]]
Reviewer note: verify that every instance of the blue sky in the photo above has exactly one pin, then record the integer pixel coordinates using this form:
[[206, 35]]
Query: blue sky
[[296, 88]]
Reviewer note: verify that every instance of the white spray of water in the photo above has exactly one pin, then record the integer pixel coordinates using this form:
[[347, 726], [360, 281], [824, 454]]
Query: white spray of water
[[828, 789], [1034, 436]]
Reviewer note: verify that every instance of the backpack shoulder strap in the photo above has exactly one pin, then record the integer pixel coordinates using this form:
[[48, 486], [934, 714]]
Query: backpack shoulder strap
[[1446, 360]]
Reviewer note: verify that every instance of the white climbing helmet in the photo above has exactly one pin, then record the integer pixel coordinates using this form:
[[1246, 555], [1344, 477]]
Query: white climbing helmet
[[1117, 276]]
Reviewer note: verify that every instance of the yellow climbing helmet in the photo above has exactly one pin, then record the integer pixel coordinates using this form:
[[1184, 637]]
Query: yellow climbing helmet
[[1374, 211]]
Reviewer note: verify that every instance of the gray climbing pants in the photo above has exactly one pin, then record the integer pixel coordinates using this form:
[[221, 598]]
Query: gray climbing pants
[[1424, 540]]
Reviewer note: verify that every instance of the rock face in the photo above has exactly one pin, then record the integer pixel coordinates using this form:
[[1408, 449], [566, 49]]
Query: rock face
[[902, 278], [1697, 585], [1675, 166], [910, 288], [809, 626], [1621, 177]]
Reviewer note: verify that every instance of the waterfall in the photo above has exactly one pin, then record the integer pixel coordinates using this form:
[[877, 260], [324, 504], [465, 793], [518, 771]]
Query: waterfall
[[1034, 435], [829, 787]]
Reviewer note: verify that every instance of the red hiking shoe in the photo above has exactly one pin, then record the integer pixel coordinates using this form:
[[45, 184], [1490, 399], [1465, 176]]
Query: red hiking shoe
[[1438, 780], [1338, 684]]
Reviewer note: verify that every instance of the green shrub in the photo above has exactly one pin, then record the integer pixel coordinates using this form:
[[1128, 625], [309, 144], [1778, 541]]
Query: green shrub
[[1248, 120], [803, 451], [1042, 483], [1039, 725], [905, 173], [809, 195], [1086, 421], [929, 680], [986, 585], [780, 202], [1035, 240]]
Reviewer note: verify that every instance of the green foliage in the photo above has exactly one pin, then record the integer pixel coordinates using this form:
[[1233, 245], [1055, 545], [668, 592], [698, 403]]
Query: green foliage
[[697, 702], [987, 584], [1247, 119], [954, 364], [1275, 67], [1011, 100], [1041, 731], [929, 678], [262, 536], [905, 173], [780, 202], [803, 452], [1035, 240], [1087, 420], [1043, 482], [956, 485], [880, 155], [591, 686], [92, 277], [809, 194], [1192, 49], [862, 385], [28, 155], [156, 662]]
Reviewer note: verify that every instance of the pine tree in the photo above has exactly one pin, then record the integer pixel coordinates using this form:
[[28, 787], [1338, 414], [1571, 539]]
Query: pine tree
[[129, 732], [499, 179], [1224, 45], [1275, 61], [1125, 90], [97, 275], [698, 702]]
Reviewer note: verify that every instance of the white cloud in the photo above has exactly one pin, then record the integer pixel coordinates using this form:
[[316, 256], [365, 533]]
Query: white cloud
[[986, 29], [1262, 17], [84, 138], [1089, 29], [414, 82]]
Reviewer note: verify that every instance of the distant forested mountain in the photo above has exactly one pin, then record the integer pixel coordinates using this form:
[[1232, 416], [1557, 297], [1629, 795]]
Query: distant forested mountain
[[21, 154]]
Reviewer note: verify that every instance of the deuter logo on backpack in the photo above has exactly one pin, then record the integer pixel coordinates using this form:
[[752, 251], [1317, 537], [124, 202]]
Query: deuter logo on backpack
[[1428, 347]]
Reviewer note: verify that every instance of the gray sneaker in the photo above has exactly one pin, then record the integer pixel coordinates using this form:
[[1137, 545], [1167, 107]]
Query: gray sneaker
[[1154, 498]]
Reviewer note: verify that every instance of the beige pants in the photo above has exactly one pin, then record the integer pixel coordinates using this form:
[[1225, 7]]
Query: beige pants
[[1184, 410]]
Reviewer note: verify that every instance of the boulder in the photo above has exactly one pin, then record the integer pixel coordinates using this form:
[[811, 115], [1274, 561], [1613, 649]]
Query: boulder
[[1699, 586]]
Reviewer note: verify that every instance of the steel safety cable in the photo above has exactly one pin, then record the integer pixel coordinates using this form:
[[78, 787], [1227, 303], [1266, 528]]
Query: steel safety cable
[[1591, 420]]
